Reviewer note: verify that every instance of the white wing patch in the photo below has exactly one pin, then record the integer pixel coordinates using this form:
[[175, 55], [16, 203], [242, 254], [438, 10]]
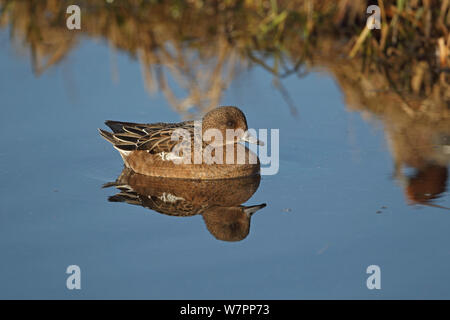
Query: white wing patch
[[168, 197], [168, 156]]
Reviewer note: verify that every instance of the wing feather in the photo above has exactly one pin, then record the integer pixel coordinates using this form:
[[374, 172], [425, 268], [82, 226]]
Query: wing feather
[[154, 138]]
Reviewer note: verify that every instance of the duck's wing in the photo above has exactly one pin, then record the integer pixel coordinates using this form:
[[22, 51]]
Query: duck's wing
[[154, 138]]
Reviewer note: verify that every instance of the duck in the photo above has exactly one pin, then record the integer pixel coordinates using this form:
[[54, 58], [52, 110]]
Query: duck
[[218, 201], [153, 149]]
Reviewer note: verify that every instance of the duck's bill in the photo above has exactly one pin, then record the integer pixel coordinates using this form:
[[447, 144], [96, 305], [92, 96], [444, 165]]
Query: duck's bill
[[252, 209], [247, 137]]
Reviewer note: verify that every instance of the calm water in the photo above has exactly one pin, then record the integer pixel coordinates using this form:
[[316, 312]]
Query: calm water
[[332, 210]]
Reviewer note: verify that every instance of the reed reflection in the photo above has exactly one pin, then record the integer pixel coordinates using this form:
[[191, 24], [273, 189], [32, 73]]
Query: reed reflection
[[218, 201]]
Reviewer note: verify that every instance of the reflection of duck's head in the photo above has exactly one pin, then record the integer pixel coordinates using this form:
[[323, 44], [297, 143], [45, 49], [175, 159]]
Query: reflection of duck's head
[[218, 201], [427, 184], [230, 223]]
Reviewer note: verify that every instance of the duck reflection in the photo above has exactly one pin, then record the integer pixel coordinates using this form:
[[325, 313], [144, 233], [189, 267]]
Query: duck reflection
[[218, 201]]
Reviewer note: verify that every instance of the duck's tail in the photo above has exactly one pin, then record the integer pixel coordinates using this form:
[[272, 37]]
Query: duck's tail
[[126, 192], [108, 136], [125, 135], [129, 197]]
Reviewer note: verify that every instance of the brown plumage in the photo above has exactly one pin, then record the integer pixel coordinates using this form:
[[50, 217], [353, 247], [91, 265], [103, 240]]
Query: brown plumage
[[153, 138], [143, 147]]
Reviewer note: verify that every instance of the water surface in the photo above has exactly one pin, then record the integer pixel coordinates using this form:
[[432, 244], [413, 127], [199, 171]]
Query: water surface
[[332, 210]]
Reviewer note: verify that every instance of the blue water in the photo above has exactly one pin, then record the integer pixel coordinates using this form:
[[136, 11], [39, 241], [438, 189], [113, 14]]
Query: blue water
[[315, 239]]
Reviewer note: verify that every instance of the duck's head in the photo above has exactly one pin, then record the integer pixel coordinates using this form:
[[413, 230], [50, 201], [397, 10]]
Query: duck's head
[[232, 124]]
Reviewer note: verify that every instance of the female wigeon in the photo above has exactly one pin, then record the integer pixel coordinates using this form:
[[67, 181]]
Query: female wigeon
[[149, 148]]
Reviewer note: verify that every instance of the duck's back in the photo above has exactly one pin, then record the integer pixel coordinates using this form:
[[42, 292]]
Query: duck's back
[[153, 138]]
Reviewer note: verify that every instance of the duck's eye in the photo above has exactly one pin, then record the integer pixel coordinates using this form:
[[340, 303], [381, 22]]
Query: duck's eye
[[230, 123]]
